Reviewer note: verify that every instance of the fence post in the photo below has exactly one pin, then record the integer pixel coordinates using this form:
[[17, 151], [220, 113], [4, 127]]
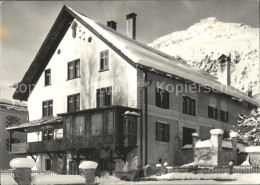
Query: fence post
[[233, 136], [216, 140], [87, 170], [195, 138], [22, 172]]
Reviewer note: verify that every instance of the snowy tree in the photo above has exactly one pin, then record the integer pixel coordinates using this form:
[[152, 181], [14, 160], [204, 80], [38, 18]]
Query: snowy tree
[[250, 127]]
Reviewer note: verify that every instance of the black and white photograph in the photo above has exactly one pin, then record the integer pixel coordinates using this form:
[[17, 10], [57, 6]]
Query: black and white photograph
[[129, 92]]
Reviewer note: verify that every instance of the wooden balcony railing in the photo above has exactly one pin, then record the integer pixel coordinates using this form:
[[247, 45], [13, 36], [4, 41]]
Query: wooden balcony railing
[[18, 148], [44, 146], [88, 141]]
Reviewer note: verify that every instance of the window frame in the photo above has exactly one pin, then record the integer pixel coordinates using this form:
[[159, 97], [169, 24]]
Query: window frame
[[225, 114], [49, 104], [101, 62], [162, 102], [190, 107], [74, 102], [47, 75], [104, 92], [214, 113], [162, 135], [73, 73]]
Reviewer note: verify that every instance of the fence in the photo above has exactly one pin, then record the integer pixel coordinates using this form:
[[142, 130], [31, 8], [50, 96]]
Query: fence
[[215, 169], [34, 172]]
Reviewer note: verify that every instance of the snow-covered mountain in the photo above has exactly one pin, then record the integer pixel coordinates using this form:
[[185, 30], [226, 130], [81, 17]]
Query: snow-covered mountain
[[204, 42]]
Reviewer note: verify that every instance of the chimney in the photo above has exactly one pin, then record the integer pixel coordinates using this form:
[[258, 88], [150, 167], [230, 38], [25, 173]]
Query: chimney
[[131, 25], [224, 69], [250, 90], [111, 24]]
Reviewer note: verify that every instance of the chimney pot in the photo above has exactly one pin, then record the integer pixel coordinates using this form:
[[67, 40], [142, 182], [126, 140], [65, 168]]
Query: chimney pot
[[131, 25], [111, 24]]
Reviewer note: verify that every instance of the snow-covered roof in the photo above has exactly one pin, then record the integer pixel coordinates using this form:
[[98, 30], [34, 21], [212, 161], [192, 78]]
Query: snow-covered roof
[[134, 52], [43, 121]]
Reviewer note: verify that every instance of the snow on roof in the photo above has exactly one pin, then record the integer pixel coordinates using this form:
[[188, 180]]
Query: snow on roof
[[34, 123], [22, 163], [57, 179], [226, 144], [203, 144], [88, 165], [216, 131], [249, 149], [144, 55]]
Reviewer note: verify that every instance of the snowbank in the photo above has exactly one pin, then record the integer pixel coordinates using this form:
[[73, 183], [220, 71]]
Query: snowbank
[[203, 144], [57, 179], [233, 134], [249, 149], [158, 165], [195, 134], [107, 179], [22, 163], [187, 146], [7, 180], [216, 132], [88, 165]]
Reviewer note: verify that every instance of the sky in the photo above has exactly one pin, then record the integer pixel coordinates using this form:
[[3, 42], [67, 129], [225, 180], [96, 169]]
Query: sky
[[25, 24]]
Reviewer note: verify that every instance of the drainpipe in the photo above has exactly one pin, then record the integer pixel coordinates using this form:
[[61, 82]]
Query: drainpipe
[[145, 115]]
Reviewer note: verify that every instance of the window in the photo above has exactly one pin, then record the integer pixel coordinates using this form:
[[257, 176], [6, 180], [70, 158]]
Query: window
[[73, 102], [47, 108], [79, 125], [104, 61], [74, 69], [162, 132], [189, 106], [96, 127], [47, 135], [109, 123], [104, 97], [187, 135], [162, 98], [223, 116], [47, 77], [129, 125], [47, 164], [212, 112]]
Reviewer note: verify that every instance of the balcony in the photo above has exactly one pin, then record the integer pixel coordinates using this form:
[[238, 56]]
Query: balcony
[[101, 127], [37, 147], [44, 146]]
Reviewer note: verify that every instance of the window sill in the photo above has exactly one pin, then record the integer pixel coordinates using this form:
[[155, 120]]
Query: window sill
[[73, 78], [162, 107], [163, 142], [190, 114], [103, 70]]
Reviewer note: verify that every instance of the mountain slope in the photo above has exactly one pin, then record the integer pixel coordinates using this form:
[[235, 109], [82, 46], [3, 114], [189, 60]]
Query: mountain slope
[[204, 42]]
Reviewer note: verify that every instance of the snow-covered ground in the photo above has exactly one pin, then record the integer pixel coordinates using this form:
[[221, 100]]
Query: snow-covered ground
[[240, 179], [203, 43]]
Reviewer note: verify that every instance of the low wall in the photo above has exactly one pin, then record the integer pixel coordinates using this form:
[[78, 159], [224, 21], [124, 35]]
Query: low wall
[[184, 156], [227, 155]]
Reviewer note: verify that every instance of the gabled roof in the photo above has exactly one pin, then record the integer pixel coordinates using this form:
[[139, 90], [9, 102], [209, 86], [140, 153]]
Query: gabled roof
[[132, 51]]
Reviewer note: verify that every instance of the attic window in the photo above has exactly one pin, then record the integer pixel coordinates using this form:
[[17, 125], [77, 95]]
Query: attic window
[[104, 61], [74, 29]]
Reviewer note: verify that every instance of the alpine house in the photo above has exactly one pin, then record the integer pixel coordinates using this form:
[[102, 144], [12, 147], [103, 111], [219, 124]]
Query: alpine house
[[96, 94]]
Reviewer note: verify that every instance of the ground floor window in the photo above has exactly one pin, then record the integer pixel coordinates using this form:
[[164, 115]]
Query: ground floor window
[[47, 164], [187, 135], [162, 132]]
